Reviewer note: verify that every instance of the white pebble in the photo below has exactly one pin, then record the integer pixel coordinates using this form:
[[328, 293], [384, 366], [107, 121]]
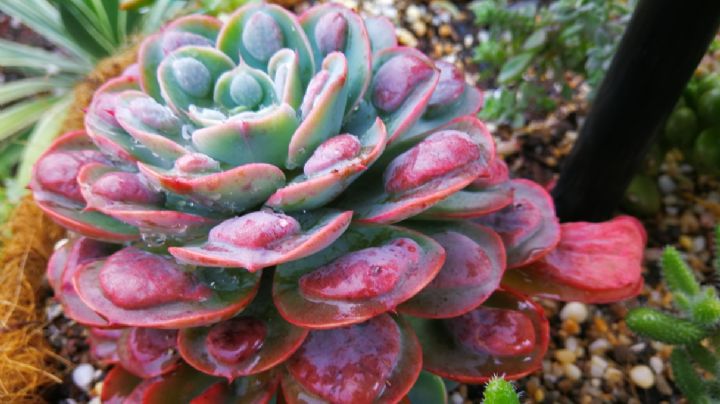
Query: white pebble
[[95, 400], [657, 364], [83, 375], [639, 347], [597, 366], [572, 372], [599, 346], [667, 185], [642, 376], [456, 398], [575, 311], [571, 344]]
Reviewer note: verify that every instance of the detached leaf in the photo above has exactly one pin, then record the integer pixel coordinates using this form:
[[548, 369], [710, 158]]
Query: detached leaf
[[515, 67]]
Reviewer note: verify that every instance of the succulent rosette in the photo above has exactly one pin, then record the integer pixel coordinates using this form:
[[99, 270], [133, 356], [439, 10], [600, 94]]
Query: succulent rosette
[[293, 205]]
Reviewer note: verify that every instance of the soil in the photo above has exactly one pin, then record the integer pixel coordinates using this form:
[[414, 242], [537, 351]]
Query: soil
[[590, 358]]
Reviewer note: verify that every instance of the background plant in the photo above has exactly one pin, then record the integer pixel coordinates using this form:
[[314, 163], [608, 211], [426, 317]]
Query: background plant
[[692, 329], [32, 108], [528, 49]]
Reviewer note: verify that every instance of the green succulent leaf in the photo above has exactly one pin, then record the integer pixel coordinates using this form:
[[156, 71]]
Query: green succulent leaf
[[515, 67], [500, 391], [428, 389], [687, 379], [678, 275]]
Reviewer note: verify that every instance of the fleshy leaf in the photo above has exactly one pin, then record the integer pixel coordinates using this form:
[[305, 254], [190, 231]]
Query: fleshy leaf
[[262, 239], [188, 76], [330, 170], [76, 253], [256, 389], [507, 335], [593, 263], [284, 69], [321, 110], [250, 137], [369, 270], [193, 30], [253, 342], [528, 226], [148, 352], [383, 364], [234, 190], [58, 194], [452, 98], [244, 89], [403, 82], [106, 132], [103, 344], [440, 165], [125, 197], [118, 385], [381, 32], [474, 266], [141, 289], [255, 32], [332, 28]]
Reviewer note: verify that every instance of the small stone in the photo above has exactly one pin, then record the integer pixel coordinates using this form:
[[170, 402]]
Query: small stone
[[406, 37], [456, 398], [642, 376], [413, 13], [53, 311], [95, 400], [598, 366], [420, 28], [571, 344], [571, 327], [613, 376], [689, 222], [83, 375], [539, 395], [575, 311], [445, 30], [599, 346], [686, 242], [572, 372], [565, 356], [657, 364], [699, 244], [663, 386], [666, 184]]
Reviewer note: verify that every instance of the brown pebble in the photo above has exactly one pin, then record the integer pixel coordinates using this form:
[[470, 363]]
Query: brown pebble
[[624, 355], [445, 30], [571, 327], [565, 356], [600, 324], [565, 385]]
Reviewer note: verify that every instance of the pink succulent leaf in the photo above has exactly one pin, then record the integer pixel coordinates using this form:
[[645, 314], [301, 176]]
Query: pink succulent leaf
[[321, 110], [470, 203], [403, 82], [263, 239], [528, 226], [125, 197], [256, 389], [333, 166], [368, 271], [151, 124], [188, 76], [244, 89], [284, 70], [193, 30], [437, 167], [452, 98], [256, 340], [473, 268], [233, 190], [335, 28], [106, 132], [255, 32], [57, 192], [250, 137], [79, 251], [498, 173], [148, 352], [180, 386], [141, 289], [384, 362], [103, 344], [507, 335], [118, 385], [381, 32], [593, 263]]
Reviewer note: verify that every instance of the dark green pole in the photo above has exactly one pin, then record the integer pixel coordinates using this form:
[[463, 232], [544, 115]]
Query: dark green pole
[[663, 44]]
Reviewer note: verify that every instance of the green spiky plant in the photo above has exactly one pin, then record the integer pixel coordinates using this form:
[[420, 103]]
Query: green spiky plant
[[693, 330], [32, 109], [500, 391]]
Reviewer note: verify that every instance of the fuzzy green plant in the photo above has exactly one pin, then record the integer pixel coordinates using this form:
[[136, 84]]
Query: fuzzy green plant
[[693, 330]]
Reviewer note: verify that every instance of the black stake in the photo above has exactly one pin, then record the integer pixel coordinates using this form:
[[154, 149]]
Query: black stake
[[664, 42]]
